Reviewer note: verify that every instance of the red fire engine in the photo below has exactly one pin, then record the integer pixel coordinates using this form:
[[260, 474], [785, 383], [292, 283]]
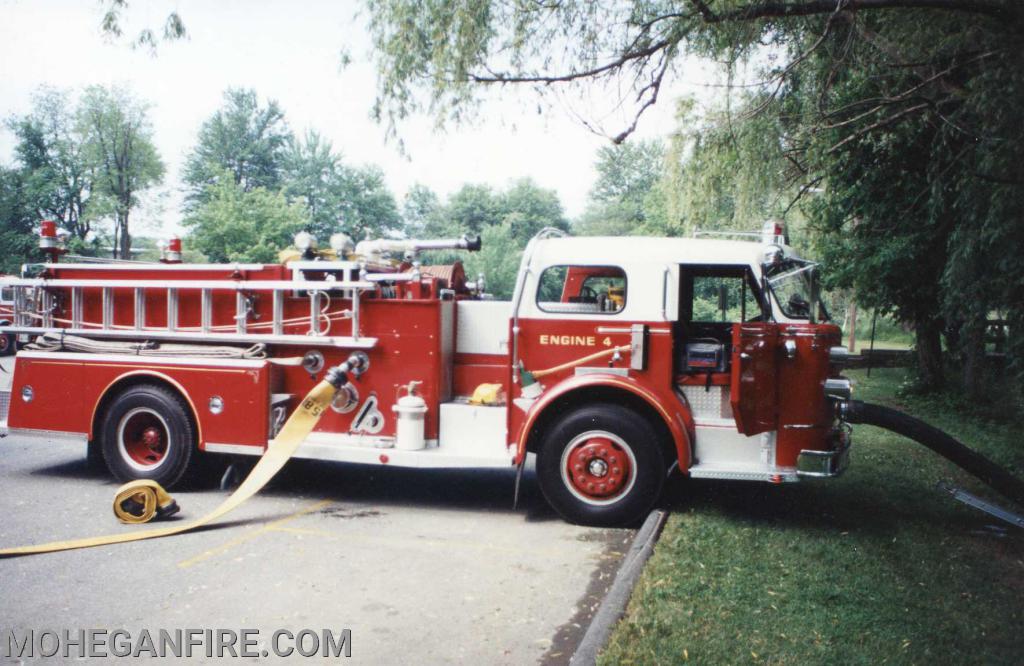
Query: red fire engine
[[617, 361]]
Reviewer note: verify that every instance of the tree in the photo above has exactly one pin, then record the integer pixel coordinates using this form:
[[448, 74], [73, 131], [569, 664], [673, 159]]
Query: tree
[[498, 259], [471, 209], [422, 212], [438, 56], [624, 199], [527, 208], [113, 15], [368, 209], [848, 89], [627, 172], [234, 224], [244, 139], [117, 139], [311, 175], [17, 218], [57, 177], [505, 221]]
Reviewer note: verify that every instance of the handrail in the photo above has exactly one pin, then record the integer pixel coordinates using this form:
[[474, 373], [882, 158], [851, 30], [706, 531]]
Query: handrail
[[231, 285]]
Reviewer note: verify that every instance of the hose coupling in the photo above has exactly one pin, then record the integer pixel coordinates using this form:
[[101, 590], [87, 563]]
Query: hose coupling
[[356, 364]]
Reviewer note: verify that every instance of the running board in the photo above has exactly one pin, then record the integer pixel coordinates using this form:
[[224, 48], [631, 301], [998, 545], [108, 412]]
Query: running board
[[743, 473]]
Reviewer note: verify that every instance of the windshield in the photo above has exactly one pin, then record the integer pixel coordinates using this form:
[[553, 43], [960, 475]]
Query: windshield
[[793, 285]]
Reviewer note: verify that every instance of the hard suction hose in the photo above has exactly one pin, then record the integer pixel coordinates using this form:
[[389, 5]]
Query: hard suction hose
[[855, 411]]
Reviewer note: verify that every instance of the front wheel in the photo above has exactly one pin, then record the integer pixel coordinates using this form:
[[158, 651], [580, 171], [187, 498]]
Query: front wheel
[[601, 465], [147, 433]]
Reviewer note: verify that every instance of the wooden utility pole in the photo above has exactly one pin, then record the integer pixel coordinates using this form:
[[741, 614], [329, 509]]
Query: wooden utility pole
[[851, 319]]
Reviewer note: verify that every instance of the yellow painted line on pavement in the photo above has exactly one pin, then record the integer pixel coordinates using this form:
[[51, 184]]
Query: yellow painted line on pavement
[[269, 527]]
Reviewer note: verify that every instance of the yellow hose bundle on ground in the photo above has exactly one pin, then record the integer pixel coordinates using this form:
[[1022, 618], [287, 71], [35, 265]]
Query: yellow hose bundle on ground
[[152, 499]]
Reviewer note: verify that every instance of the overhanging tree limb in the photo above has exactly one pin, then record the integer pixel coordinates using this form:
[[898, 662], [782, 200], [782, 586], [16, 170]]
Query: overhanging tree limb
[[759, 10]]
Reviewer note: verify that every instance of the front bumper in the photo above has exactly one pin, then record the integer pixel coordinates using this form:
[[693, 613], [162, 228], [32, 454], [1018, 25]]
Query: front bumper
[[826, 464]]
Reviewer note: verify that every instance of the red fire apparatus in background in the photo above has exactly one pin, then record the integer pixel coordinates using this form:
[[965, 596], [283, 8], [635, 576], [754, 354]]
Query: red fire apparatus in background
[[616, 361]]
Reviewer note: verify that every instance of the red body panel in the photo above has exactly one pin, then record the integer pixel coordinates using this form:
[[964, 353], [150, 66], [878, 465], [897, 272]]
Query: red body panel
[[472, 370], [67, 392], [805, 414], [546, 343]]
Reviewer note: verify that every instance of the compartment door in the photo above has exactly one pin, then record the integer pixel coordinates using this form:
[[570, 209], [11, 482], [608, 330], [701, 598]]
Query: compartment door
[[754, 386]]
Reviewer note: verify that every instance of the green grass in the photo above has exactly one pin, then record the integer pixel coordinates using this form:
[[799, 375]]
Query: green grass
[[874, 567]]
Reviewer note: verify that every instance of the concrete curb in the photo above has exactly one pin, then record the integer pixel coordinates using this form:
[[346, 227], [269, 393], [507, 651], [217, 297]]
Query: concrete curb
[[614, 605]]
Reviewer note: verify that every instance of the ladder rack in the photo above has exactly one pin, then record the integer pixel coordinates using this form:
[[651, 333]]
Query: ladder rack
[[35, 302]]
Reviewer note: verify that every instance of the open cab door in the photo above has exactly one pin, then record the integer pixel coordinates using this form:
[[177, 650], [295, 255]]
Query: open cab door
[[753, 386]]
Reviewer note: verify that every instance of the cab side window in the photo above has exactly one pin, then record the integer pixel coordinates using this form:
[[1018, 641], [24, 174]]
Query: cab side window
[[582, 289], [720, 295]]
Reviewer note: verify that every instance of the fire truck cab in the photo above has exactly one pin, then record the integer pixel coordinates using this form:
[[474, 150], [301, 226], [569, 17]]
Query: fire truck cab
[[617, 362]]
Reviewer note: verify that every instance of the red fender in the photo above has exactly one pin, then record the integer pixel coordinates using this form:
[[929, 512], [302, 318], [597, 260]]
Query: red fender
[[679, 423]]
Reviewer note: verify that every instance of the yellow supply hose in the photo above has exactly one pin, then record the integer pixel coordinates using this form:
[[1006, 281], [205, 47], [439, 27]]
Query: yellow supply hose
[[580, 361], [140, 501], [299, 424]]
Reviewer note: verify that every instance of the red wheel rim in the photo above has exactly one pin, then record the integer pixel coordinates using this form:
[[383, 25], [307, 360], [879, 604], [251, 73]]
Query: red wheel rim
[[598, 467], [143, 438], [5, 344]]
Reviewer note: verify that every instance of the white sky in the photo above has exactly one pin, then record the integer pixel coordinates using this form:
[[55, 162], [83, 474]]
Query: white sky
[[289, 51]]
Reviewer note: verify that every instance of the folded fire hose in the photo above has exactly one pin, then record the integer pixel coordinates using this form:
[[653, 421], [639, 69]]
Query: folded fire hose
[[154, 500]]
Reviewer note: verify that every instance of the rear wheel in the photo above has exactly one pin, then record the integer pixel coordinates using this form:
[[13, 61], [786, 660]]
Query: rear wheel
[[147, 433], [601, 465], [7, 344]]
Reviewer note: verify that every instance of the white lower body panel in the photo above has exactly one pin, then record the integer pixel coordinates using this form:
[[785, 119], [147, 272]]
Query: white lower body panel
[[471, 436]]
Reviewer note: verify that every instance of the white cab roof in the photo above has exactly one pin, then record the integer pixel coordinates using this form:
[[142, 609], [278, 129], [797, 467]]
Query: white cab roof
[[620, 250]]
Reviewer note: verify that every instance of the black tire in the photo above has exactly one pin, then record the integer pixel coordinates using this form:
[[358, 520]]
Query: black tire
[[593, 442], [147, 433], [8, 344]]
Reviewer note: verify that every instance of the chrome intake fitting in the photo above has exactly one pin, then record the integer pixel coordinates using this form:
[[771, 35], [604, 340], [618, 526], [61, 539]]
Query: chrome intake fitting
[[838, 355], [838, 388], [357, 363]]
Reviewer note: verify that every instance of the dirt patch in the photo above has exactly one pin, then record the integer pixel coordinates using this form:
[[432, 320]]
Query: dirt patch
[[349, 514]]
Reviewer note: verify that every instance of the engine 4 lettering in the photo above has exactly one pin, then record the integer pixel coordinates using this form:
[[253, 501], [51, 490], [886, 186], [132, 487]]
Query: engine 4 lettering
[[569, 340]]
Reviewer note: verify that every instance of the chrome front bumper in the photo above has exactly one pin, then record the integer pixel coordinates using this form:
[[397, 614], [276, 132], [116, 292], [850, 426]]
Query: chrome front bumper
[[826, 464]]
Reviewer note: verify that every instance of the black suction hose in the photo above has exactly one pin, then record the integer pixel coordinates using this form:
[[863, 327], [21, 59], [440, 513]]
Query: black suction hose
[[855, 411]]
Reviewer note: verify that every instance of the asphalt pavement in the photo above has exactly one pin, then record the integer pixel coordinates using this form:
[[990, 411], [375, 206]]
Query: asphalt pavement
[[421, 566]]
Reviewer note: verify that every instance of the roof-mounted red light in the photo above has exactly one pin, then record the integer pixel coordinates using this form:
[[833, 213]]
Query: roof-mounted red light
[[170, 252], [774, 232], [48, 240]]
